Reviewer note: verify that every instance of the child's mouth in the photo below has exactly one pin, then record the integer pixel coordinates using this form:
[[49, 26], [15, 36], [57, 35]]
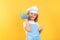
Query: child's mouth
[[31, 16]]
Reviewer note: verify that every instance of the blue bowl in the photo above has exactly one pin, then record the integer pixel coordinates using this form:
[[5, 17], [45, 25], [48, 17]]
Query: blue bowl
[[24, 16]]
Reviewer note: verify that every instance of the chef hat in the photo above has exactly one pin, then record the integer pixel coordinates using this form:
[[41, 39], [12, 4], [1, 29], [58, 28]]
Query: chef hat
[[33, 9]]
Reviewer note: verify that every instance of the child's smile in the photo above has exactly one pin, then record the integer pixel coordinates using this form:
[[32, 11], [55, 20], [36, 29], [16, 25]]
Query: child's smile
[[32, 16]]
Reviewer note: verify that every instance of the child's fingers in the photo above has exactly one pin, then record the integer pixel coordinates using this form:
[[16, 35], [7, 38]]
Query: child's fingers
[[41, 27]]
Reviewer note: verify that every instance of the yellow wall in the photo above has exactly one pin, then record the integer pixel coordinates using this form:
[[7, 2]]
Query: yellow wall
[[11, 25]]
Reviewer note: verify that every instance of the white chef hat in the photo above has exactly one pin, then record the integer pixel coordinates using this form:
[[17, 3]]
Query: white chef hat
[[33, 9]]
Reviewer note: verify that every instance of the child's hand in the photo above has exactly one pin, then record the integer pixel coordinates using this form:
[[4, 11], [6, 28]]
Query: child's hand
[[26, 20], [41, 28]]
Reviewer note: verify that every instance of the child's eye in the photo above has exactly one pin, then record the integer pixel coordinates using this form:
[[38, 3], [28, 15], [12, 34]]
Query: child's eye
[[31, 13], [34, 14]]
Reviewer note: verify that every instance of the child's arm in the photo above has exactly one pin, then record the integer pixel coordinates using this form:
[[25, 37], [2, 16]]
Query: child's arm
[[27, 28], [40, 29]]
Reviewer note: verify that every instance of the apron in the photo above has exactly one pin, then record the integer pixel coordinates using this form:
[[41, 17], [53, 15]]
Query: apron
[[34, 32]]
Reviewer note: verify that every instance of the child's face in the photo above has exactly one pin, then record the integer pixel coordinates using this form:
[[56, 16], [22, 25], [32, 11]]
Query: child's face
[[32, 16]]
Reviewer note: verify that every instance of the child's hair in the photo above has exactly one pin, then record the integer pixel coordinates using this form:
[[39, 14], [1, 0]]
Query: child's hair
[[36, 19]]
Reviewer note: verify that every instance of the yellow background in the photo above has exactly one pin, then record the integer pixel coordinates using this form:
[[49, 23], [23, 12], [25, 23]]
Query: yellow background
[[11, 25]]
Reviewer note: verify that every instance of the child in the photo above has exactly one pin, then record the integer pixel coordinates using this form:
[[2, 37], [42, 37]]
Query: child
[[30, 24]]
